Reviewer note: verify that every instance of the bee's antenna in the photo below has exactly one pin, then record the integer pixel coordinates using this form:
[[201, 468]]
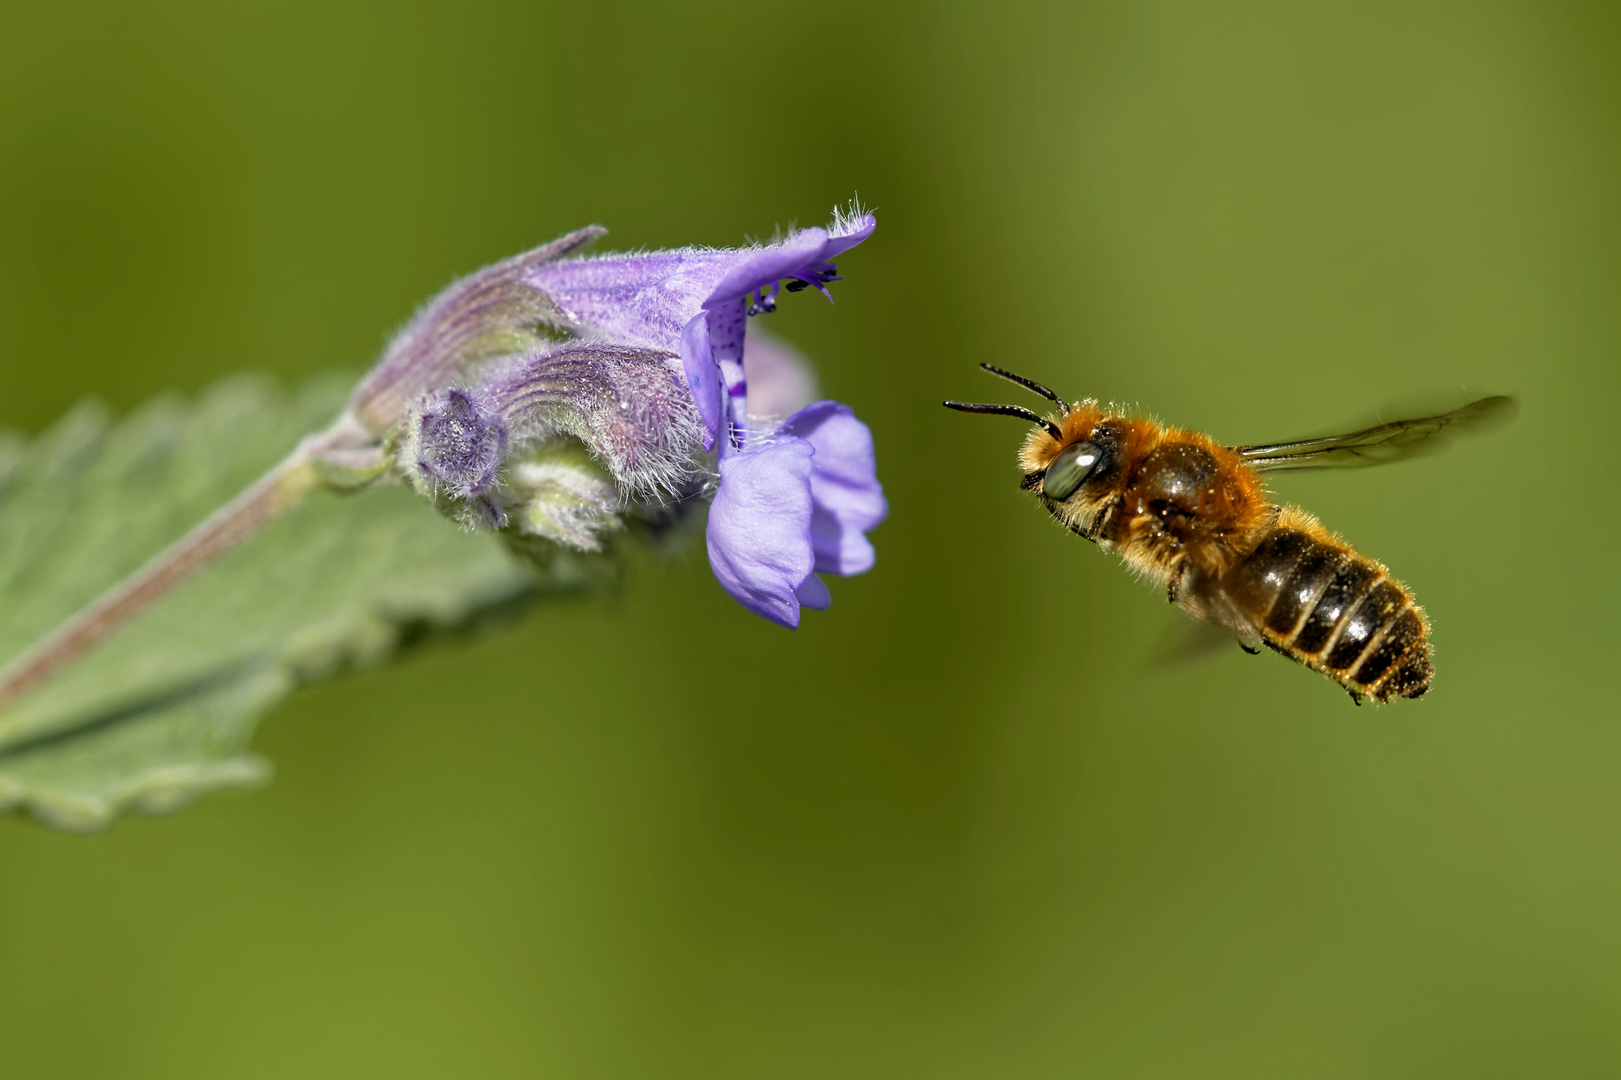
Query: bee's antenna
[[1007, 410], [1028, 384]]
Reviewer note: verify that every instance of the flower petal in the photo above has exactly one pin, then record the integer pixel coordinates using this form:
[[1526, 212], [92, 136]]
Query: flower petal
[[648, 299], [645, 299], [765, 265], [804, 255], [759, 529], [703, 376], [651, 300], [846, 233], [847, 498]]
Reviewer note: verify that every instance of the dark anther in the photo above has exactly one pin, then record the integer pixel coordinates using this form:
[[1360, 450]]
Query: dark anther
[[764, 306], [797, 286]]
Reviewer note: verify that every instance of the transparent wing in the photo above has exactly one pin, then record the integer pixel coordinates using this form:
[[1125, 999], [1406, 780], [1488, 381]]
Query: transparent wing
[[1382, 443]]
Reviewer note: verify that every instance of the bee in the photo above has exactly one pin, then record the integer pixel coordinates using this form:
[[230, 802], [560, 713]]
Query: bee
[[1194, 517]]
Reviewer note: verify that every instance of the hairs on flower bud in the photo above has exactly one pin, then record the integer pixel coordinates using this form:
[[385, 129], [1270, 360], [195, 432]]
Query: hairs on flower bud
[[627, 404]]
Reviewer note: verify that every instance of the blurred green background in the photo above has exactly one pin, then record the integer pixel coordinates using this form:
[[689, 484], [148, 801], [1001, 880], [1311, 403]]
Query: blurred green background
[[966, 823]]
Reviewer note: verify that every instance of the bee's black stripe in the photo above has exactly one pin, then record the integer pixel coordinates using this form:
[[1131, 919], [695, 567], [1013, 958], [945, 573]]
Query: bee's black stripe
[[1371, 615], [1345, 588], [1405, 632], [1312, 572], [1411, 677], [1261, 576]]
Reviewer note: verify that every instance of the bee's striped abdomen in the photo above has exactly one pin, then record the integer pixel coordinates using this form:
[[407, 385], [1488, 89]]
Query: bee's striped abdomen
[[1334, 611]]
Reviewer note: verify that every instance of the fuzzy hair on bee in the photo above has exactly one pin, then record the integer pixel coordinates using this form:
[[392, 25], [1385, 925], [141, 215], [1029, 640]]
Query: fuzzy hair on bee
[[1194, 516]]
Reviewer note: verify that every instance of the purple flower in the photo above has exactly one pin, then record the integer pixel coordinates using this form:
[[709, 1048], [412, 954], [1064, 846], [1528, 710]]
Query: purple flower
[[793, 501], [792, 504], [641, 360], [695, 302]]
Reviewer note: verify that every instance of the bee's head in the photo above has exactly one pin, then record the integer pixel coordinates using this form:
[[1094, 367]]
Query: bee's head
[[1058, 457]]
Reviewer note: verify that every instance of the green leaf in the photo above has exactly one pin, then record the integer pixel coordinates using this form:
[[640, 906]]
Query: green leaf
[[165, 709]]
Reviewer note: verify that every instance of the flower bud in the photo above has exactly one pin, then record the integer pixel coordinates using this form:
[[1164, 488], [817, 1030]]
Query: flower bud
[[557, 493], [627, 404], [454, 449]]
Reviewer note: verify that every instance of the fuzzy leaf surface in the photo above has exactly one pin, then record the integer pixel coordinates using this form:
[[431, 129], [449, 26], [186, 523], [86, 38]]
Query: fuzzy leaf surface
[[165, 709]]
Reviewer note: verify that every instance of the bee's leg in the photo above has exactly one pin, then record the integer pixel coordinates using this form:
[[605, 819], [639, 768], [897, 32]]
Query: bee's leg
[[1246, 648], [1356, 697], [1085, 533], [1173, 588], [1058, 515], [1102, 519]]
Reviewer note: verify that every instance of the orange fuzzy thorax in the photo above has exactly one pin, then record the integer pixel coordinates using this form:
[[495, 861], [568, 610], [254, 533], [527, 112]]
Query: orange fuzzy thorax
[[1234, 507]]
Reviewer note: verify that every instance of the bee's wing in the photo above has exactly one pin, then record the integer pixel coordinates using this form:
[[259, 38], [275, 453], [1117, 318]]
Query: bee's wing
[[1384, 442]]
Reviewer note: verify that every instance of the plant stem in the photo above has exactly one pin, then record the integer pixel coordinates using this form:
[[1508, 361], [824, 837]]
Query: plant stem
[[277, 491]]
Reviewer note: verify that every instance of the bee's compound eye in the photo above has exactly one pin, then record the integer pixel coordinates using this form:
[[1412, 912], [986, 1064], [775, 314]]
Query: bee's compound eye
[[1069, 470]]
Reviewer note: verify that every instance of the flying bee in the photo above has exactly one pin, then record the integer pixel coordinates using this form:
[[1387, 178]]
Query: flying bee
[[1194, 516]]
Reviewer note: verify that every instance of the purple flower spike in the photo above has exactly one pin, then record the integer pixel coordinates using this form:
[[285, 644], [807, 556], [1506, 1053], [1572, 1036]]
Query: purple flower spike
[[695, 302], [793, 504]]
